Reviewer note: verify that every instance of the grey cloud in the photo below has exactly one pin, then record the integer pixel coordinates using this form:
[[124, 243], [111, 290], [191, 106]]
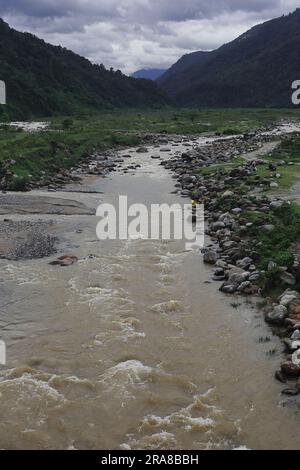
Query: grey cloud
[[140, 10], [131, 34]]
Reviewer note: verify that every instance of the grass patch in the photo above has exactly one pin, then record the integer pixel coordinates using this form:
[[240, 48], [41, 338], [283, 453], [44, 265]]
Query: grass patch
[[226, 167], [275, 245], [288, 150]]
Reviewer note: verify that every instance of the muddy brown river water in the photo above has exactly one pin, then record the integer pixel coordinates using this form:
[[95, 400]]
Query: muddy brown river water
[[130, 347]]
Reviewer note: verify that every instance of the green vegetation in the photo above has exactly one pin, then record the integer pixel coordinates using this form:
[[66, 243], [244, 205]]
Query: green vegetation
[[46, 80], [225, 167], [288, 150], [289, 174], [256, 69], [276, 244], [45, 153], [68, 139]]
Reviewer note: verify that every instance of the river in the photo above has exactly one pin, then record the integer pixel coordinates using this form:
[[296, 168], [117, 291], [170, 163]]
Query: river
[[133, 346]]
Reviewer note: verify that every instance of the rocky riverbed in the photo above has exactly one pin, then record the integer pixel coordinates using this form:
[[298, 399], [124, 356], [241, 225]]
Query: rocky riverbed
[[131, 340], [230, 194], [222, 174]]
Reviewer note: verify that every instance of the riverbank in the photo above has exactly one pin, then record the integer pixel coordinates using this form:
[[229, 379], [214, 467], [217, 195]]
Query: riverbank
[[255, 232]]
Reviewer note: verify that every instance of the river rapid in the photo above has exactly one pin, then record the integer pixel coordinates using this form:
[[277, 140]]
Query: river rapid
[[133, 347]]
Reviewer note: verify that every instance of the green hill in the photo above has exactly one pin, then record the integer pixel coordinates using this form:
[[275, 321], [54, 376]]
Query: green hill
[[255, 70], [44, 80]]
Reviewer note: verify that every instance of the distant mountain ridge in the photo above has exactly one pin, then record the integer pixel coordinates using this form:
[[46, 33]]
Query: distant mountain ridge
[[149, 74], [43, 80], [255, 70]]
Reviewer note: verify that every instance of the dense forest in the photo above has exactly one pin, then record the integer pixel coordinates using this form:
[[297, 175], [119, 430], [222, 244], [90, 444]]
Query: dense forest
[[255, 70], [44, 80]]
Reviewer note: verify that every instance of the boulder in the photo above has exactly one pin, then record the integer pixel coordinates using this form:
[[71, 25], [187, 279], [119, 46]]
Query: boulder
[[245, 263], [276, 204], [65, 260], [219, 274], [296, 335], [277, 315], [228, 288], [237, 276], [288, 278], [217, 225], [210, 257], [244, 286], [288, 296], [289, 369], [294, 309]]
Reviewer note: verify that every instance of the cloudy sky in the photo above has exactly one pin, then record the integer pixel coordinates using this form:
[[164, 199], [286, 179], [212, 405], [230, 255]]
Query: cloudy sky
[[133, 34]]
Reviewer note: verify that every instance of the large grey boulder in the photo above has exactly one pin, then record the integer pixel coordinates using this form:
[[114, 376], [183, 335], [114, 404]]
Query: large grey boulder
[[277, 315]]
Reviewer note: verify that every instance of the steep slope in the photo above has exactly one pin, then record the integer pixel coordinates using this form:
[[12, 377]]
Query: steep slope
[[149, 74], [174, 79], [256, 69], [43, 80]]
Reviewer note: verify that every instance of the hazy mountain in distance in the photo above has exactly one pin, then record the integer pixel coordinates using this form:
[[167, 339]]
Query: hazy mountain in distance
[[149, 74], [255, 70]]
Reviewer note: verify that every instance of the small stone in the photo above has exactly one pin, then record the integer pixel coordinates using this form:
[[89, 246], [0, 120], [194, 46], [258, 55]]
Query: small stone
[[227, 194], [236, 210], [296, 335]]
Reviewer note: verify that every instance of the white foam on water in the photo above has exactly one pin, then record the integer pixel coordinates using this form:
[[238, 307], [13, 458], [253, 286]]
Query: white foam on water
[[172, 306], [185, 417], [161, 440], [128, 372], [24, 274], [128, 328], [29, 126]]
